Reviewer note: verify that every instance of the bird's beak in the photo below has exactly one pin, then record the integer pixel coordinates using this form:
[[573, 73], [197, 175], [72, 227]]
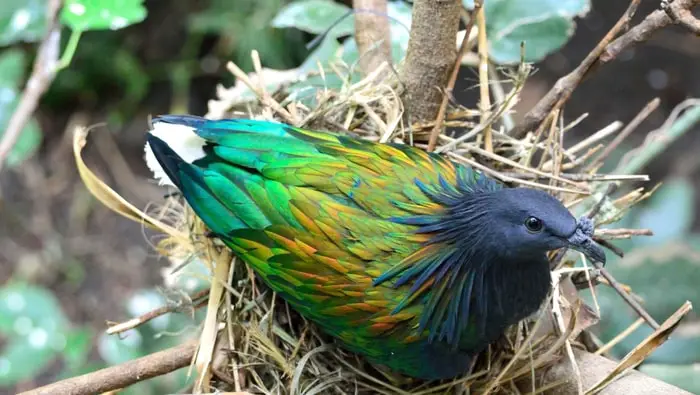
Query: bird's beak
[[581, 240]]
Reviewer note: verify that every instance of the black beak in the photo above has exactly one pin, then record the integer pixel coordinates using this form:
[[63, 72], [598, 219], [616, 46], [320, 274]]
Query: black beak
[[581, 241]]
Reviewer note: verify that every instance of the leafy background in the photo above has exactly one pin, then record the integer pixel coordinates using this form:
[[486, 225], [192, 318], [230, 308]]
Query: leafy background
[[68, 265]]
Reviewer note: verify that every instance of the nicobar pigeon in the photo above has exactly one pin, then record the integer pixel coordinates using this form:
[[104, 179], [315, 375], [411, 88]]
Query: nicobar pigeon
[[405, 257]]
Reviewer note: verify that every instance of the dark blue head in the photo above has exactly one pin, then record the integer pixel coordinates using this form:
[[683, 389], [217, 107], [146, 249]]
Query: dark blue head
[[530, 222]]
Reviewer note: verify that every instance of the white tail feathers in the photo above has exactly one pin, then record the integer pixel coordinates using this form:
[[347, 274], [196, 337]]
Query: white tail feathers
[[181, 139]]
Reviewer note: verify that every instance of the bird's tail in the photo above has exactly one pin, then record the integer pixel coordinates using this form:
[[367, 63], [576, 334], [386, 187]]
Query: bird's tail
[[215, 164]]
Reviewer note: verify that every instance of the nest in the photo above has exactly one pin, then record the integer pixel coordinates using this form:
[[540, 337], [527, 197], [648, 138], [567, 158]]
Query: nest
[[252, 341]]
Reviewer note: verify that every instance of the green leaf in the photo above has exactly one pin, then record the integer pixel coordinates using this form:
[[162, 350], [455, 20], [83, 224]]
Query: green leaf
[[22, 20], [78, 343], [12, 66], [102, 14], [25, 357], [217, 18], [686, 377], [316, 16], [669, 212], [35, 328], [35, 306], [544, 26]]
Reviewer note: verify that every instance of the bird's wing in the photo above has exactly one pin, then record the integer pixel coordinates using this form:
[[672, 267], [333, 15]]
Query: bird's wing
[[329, 222]]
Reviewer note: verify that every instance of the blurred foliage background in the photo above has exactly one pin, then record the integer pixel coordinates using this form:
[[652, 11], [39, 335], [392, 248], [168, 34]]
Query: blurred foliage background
[[67, 264]]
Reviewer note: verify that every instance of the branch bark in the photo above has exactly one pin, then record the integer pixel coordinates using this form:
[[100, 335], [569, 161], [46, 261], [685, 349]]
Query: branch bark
[[643, 31], [430, 58], [594, 368], [372, 33], [124, 375], [605, 53]]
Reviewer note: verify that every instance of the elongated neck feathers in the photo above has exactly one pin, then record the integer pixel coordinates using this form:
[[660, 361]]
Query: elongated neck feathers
[[464, 274]]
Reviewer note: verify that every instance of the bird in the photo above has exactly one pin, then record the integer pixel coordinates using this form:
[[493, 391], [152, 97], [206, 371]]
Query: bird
[[405, 257]]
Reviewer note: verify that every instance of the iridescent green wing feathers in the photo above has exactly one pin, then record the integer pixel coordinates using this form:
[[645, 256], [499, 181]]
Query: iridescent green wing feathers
[[330, 223]]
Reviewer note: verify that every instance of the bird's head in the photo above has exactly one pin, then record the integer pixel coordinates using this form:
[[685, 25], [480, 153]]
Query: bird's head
[[532, 222]]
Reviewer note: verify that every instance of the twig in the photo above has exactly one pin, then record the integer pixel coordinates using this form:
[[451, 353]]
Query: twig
[[499, 96], [144, 318], [463, 48], [620, 337], [563, 88], [621, 233], [372, 33], [644, 30], [505, 178], [44, 71], [123, 375], [477, 150], [612, 247], [632, 126], [626, 296], [673, 128], [259, 90], [207, 341], [482, 125], [642, 350], [584, 177], [682, 16], [485, 97], [599, 204], [594, 138], [639, 33]]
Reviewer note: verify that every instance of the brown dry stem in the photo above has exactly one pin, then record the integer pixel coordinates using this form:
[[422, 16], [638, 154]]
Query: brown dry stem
[[485, 96]]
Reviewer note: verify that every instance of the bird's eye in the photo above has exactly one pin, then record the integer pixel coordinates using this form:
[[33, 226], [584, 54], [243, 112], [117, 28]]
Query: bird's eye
[[533, 224]]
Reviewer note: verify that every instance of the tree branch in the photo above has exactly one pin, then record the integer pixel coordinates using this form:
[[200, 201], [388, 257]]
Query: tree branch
[[124, 375], [196, 301], [430, 58], [43, 73], [645, 29], [372, 33], [681, 16], [606, 50]]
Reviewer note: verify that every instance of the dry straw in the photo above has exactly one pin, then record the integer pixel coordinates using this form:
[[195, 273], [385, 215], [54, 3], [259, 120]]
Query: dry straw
[[251, 341]]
